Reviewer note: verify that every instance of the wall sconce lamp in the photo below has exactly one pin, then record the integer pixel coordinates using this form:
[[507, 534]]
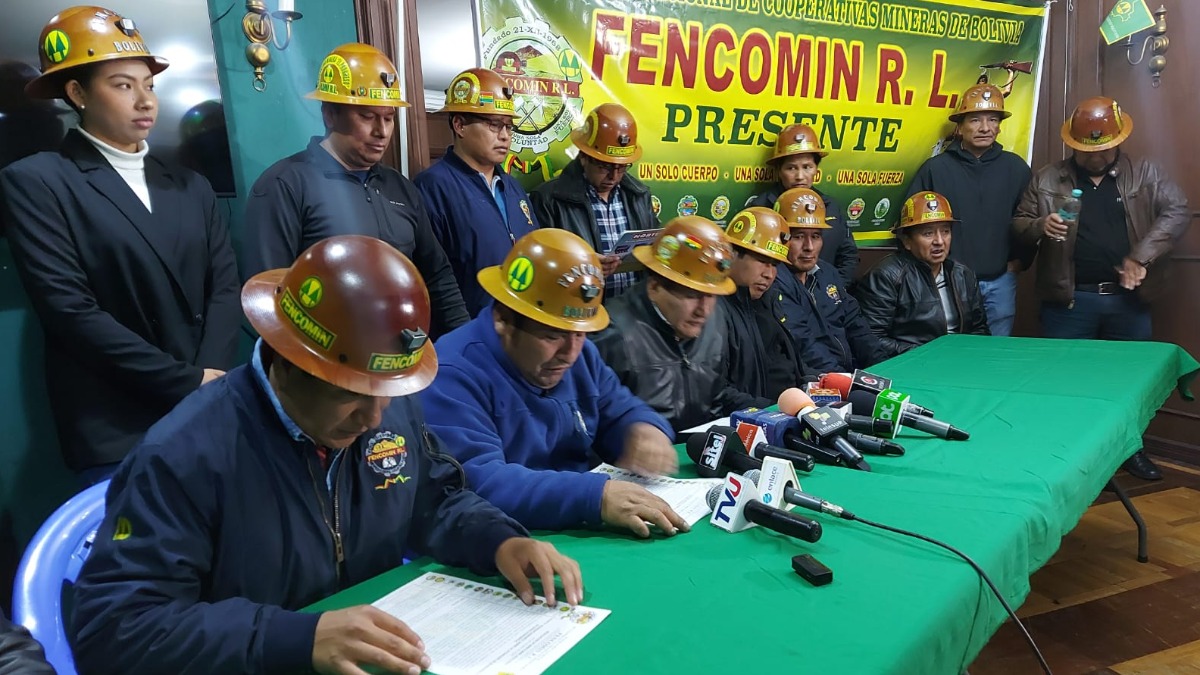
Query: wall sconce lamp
[[258, 27], [1158, 43]]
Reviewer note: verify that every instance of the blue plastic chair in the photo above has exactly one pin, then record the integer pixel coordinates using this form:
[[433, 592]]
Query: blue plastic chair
[[55, 555]]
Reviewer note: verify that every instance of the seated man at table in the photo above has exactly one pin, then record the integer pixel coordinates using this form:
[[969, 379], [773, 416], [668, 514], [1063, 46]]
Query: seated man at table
[[824, 320], [527, 405], [762, 357], [287, 480], [920, 293], [668, 337]]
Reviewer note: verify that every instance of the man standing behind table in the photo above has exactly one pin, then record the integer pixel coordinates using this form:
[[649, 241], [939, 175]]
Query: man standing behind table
[[338, 186], [596, 196], [477, 210], [797, 160], [1096, 279], [527, 405], [984, 182]]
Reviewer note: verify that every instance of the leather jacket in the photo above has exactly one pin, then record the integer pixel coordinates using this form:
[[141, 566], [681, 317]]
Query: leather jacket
[[685, 382], [901, 303], [1156, 216], [563, 203]]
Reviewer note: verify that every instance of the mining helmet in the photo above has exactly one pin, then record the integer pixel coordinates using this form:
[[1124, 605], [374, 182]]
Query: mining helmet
[[760, 230], [691, 251], [352, 311], [83, 35], [553, 277], [798, 139], [802, 208], [609, 134], [358, 74], [980, 98], [481, 92], [924, 207], [1097, 124]]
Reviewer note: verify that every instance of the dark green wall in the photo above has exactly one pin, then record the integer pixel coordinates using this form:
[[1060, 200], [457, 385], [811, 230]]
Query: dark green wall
[[263, 127]]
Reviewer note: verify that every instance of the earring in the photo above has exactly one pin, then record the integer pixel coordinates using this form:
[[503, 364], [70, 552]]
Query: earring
[[83, 107]]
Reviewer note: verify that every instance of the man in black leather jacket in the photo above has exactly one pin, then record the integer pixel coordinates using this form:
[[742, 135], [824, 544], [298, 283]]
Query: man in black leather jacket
[[20, 654], [919, 293], [667, 337], [596, 196], [762, 358]]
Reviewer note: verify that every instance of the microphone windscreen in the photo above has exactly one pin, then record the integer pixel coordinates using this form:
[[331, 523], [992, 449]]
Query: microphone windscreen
[[839, 381], [791, 400], [864, 401], [753, 475], [695, 446], [714, 493]]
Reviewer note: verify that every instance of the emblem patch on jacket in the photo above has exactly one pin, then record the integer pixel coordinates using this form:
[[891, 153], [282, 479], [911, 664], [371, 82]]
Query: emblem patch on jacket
[[525, 210], [386, 455], [832, 291]]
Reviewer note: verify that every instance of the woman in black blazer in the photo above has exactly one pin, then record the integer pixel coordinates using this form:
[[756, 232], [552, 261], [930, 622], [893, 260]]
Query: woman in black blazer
[[126, 259]]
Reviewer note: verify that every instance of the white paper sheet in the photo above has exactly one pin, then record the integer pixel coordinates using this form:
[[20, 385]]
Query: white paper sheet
[[475, 629], [685, 495]]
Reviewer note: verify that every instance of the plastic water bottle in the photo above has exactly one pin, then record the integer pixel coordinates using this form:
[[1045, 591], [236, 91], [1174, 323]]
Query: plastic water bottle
[[1069, 211]]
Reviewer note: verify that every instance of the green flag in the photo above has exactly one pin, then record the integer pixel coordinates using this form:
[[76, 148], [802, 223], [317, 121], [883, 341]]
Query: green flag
[[1126, 18]]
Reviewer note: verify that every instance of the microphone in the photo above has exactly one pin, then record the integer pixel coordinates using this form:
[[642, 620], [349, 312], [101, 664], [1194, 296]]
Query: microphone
[[863, 423], [824, 427], [780, 429], [891, 404], [719, 451], [873, 445], [800, 460], [736, 507], [861, 380], [795, 497]]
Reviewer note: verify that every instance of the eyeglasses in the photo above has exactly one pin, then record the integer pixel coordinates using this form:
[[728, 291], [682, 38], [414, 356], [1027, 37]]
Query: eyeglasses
[[497, 126], [610, 168]]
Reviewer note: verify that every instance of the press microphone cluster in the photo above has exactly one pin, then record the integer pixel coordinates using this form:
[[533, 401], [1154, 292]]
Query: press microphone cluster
[[861, 380]]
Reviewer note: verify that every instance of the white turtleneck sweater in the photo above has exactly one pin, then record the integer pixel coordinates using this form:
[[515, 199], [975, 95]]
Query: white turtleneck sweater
[[131, 166]]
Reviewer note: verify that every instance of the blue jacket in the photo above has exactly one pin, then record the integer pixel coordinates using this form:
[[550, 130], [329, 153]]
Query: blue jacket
[[526, 449], [222, 523], [468, 222], [826, 323]]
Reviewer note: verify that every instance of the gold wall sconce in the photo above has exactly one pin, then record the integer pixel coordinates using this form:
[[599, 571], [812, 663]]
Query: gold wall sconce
[[1157, 42], [259, 28]]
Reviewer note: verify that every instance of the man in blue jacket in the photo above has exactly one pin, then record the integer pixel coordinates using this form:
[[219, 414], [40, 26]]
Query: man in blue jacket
[[288, 480], [829, 330], [525, 402], [477, 210]]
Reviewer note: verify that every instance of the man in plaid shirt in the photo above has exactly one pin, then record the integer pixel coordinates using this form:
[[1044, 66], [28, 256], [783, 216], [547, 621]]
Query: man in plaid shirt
[[596, 196]]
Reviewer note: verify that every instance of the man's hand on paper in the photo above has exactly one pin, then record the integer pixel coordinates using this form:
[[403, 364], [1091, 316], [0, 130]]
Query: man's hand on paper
[[521, 558], [366, 636], [648, 451], [630, 505], [609, 264]]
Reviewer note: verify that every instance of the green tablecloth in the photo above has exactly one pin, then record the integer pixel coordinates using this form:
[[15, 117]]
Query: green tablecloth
[[1050, 422]]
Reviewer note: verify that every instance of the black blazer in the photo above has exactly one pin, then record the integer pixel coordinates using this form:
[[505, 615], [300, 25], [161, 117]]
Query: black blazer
[[134, 305]]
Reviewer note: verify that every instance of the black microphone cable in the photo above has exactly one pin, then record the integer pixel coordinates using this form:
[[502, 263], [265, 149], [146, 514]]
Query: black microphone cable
[[979, 570]]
